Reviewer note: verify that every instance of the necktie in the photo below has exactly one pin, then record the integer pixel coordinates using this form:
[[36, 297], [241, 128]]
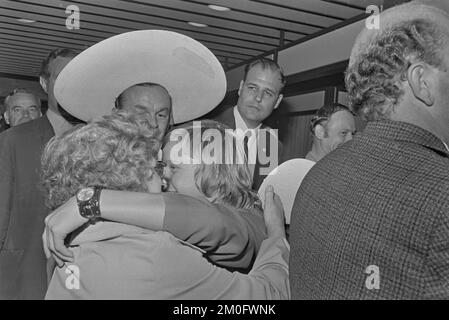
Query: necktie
[[245, 145]]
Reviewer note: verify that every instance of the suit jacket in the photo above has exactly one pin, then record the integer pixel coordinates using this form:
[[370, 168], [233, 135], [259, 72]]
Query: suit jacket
[[3, 125], [371, 219], [261, 170], [22, 211]]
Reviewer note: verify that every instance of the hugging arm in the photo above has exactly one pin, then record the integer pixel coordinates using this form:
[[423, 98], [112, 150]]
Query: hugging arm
[[268, 279], [228, 239]]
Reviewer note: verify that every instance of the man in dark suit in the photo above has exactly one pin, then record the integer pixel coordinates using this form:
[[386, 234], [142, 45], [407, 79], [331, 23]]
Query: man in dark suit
[[22, 210], [371, 219], [259, 94]]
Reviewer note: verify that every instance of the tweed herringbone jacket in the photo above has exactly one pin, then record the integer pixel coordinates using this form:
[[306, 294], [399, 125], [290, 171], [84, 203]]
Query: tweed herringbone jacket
[[371, 219]]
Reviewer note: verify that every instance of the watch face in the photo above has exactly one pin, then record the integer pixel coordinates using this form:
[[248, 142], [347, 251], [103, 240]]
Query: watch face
[[85, 194]]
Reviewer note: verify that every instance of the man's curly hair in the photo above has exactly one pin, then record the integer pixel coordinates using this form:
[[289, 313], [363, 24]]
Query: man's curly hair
[[373, 80], [117, 152]]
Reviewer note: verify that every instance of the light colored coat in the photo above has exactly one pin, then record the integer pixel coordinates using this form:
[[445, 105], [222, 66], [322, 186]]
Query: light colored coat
[[117, 261]]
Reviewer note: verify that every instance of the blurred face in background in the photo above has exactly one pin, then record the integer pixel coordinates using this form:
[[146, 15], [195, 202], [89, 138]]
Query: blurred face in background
[[337, 130], [21, 108]]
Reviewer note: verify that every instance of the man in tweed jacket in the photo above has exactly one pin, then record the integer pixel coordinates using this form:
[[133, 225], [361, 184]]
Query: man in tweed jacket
[[371, 219]]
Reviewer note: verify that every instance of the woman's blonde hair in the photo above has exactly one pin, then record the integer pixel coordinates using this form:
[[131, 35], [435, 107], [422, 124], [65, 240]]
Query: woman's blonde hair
[[222, 173]]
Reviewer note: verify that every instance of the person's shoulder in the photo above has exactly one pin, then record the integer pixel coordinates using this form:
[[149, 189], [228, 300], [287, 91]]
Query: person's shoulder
[[256, 211], [226, 116], [26, 130], [10, 135], [240, 214], [269, 131], [436, 170]]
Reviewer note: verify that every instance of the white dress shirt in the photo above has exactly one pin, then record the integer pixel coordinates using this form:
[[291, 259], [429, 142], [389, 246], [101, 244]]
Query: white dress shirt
[[242, 128]]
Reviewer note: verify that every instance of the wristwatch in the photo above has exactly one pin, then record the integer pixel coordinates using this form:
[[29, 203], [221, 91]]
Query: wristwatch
[[88, 200]]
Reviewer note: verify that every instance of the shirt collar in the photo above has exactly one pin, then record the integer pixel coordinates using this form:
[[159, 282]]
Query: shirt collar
[[240, 123]]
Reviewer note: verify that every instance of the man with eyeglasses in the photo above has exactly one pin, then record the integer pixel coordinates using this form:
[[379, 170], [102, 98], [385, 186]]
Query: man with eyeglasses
[[332, 126], [21, 106]]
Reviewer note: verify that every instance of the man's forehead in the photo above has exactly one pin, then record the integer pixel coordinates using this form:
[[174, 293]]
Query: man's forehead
[[341, 116], [267, 79], [23, 97], [259, 71]]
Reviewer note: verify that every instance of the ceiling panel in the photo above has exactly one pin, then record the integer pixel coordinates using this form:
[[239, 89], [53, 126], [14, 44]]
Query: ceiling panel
[[250, 28]]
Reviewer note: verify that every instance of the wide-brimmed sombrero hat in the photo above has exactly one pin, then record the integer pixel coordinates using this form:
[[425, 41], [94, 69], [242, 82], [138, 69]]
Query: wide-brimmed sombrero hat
[[88, 86]]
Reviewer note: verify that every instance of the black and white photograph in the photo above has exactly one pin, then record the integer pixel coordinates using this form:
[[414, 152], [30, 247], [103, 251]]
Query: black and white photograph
[[225, 156]]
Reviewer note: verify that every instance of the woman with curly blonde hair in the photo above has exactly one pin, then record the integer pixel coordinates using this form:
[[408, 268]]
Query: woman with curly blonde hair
[[118, 152]]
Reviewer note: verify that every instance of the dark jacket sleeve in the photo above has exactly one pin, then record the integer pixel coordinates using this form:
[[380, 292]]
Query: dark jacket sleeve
[[6, 185], [230, 237], [282, 153]]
